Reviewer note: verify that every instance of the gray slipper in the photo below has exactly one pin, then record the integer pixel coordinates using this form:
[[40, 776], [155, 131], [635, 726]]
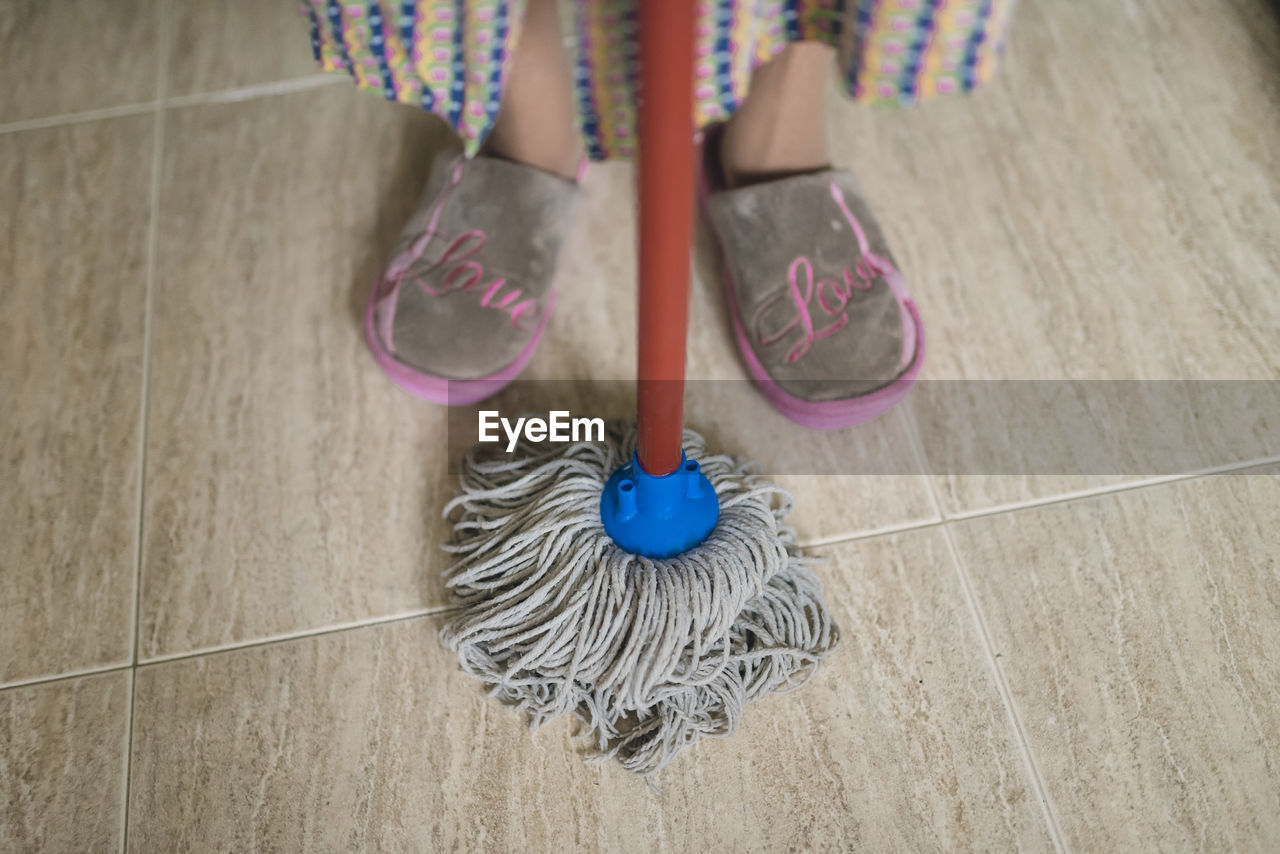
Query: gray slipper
[[460, 310], [821, 314]]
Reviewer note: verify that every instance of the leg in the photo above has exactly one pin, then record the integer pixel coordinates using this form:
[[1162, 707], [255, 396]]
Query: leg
[[781, 128], [536, 122]]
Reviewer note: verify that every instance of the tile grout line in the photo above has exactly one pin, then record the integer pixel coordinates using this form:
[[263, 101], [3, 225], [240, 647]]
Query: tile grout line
[[83, 673], [1127, 486], [80, 117], [217, 96], [913, 440], [885, 531], [153, 240], [1038, 503], [922, 463], [1047, 808], [164, 11], [302, 634], [128, 761], [258, 90], [271, 640]]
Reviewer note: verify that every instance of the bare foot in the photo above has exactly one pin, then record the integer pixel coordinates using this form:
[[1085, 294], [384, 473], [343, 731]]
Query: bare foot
[[781, 128], [536, 123]]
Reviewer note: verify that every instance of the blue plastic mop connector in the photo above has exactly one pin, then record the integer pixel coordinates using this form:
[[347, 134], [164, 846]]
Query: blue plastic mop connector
[[659, 516]]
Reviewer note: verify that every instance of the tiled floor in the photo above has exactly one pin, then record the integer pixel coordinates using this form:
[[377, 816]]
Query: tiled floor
[[219, 568]]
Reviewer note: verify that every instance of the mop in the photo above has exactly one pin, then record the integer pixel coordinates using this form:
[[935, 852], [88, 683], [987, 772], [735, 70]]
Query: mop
[[642, 583]]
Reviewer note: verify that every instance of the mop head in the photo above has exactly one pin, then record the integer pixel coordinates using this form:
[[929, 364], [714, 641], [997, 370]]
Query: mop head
[[651, 654]]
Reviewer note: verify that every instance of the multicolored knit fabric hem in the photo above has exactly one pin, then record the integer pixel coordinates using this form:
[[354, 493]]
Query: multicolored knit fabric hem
[[451, 57]]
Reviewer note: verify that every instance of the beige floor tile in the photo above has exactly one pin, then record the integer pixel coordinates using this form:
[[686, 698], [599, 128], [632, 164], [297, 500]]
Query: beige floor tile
[[236, 43], [1104, 211], [925, 730], [1138, 633], [372, 739], [62, 764], [1000, 443], [289, 485], [845, 483], [71, 338], [832, 507], [61, 56]]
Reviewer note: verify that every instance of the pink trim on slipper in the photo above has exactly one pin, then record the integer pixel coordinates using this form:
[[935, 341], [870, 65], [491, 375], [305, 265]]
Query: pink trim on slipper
[[439, 389], [833, 414]]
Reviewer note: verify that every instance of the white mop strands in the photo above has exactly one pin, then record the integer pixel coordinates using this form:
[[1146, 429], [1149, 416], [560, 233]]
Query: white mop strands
[[652, 655]]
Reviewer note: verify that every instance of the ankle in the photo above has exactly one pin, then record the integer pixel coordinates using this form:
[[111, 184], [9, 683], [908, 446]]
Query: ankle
[[751, 171], [781, 128], [745, 162], [535, 124], [561, 157]]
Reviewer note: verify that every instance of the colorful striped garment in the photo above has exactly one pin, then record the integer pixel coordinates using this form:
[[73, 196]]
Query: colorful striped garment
[[450, 57]]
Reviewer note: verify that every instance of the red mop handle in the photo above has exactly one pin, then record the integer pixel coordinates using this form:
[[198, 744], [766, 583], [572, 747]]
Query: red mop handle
[[666, 166], [667, 177]]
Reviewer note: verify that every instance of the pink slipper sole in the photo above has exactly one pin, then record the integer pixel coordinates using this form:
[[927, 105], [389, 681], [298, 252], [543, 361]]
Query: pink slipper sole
[[437, 389]]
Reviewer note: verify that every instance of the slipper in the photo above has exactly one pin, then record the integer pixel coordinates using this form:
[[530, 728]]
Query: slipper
[[459, 311], [820, 311]]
